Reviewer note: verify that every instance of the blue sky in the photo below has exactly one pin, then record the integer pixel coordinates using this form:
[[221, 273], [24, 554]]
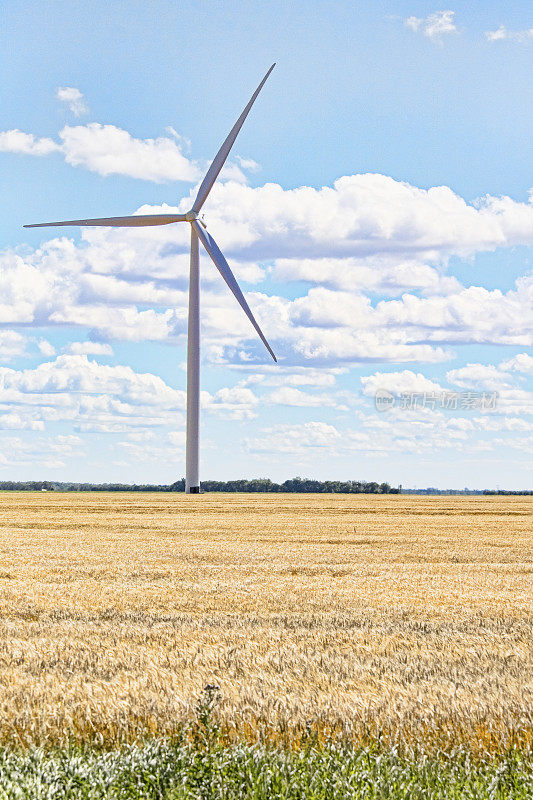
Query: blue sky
[[376, 211]]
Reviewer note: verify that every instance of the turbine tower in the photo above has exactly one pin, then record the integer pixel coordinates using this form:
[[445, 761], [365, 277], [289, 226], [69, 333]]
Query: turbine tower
[[198, 232]]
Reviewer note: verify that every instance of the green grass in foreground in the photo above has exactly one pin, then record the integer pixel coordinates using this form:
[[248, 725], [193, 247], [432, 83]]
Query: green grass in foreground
[[161, 769]]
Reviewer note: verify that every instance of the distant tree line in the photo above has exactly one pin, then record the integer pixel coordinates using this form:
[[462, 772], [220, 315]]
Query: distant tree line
[[303, 485], [59, 486], [466, 491], [265, 485], [507, 491]]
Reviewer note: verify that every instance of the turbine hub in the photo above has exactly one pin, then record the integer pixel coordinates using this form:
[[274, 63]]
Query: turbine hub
[[191, 216]]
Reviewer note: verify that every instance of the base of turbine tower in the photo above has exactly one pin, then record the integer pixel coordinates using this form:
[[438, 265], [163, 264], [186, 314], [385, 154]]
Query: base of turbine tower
[[193, 490]]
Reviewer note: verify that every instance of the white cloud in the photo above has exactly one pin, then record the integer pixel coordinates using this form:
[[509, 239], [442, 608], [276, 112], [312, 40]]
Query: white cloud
[[89, 349], [102, 283], [503, 33], [73, 98], [292, 376], [512, 399], [373, 220], [103, 398], [49, 452], [12, 345], [434, 26], [248, 164], [76, 374], [108, 150], [522, 362], [384, 274], [237, 402], [398, 382], [99, 283], [379, 223], [13, 420], [15, 141], [295, 438], [91, 396], [363, 217], [472, 315], [473, 377], [479, 376], [421, 432], [291, 396], [333, 324], [127, 324], [177, 438], [46, 348]]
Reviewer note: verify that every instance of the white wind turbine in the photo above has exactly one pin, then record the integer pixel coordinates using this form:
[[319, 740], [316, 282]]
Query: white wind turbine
[[198, 232]]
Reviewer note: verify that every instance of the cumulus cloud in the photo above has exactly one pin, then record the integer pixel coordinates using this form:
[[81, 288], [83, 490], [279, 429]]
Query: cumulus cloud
[[512, 398], [12, 345], [15, 141], [103, 398], [73, 98], [248, 164], [434, 26], [391, 238], [398, 382], [294, 439], [502, 33], [12, 420], [79, 375], [361, 216], [46, 348], [291, 396], [493, 380], [292, 376], [515, 401], [388, 275], [472, 315], [374, 221], [49, 452], [91, 396], [421, 432], [109, 150], [89, 349], [479, 376], [522, 362], [237, 402], [127, 324]]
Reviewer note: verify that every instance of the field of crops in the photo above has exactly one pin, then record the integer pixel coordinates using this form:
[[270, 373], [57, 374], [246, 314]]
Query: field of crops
[[407, 619]]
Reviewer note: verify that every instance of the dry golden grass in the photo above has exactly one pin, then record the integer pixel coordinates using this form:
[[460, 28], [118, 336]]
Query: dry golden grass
[[405, 615]]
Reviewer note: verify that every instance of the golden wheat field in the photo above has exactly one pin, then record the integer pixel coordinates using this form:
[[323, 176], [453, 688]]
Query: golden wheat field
[[399, 616]]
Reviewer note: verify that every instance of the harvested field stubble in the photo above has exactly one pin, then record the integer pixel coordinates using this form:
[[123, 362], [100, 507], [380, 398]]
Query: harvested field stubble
[[404, 617]]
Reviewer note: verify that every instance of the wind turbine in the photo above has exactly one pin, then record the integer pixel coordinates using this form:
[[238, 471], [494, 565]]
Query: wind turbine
[[198, 232]]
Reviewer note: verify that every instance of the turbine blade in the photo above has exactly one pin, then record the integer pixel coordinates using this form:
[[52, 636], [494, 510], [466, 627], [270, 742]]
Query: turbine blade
[[138, 221], [223, 267], [221, 156]]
